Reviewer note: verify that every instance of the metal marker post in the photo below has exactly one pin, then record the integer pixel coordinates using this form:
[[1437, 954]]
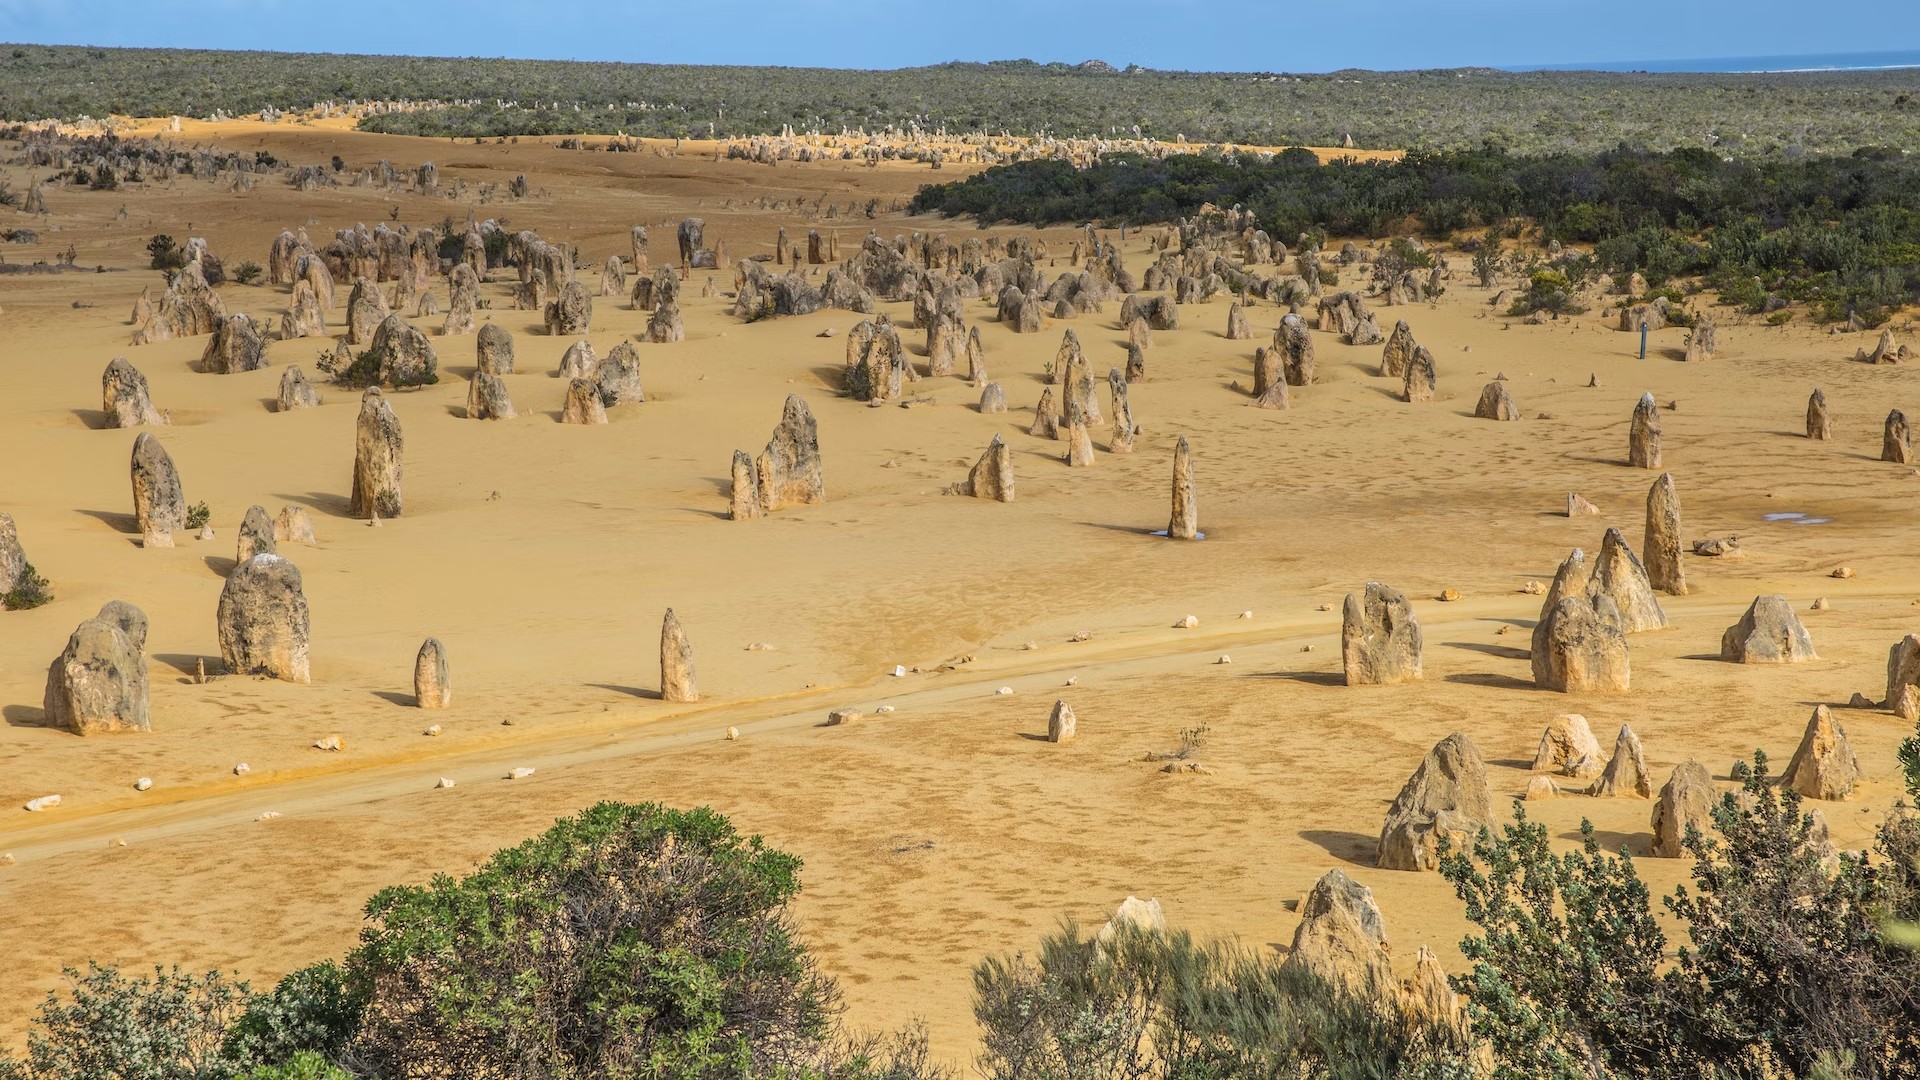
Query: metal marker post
[[1643, 339]]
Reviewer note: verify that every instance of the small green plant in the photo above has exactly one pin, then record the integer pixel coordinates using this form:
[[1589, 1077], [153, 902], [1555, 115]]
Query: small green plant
[[165, 254], [247, 273], [1780, 318], [198, 515], [27, 593], [1193, 738], [1051, 370], [1329, 276]]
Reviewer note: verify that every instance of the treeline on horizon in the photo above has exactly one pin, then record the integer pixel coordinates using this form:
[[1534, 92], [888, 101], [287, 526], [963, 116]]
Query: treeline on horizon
[[1456, 108], [1841, 233]]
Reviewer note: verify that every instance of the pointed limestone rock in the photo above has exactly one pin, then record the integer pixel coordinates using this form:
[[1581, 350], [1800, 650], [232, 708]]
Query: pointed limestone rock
[[1184, 524], [1045, 426], [583, 405], [618, 377], [1496, 403], [378, 446], [1824, 766], [1237, 324], [1421, 382], [1643, 435], [1903, 677], [1580, 647], [1626, 774], [432, 685], [1124, 428], [13, 558], [992, 399], [1342, 939], [1578, 505], [1568, 748], [159, 506], [1062, 725], [992, 477], [579, 361], [1819, 424], [1379, 638], [676, 662], [1618, 575], [487, 398], [294, 525], [295, 391], [1079, 442], [1686, 800], [1398, 352], [124, 397], [746, 488], [263, 620], [789, 469], [1661, 547], [1896, 444], [1769, 633], [256, 535], [493, 350], [98, 683], [1446, 796], [1295, 343]]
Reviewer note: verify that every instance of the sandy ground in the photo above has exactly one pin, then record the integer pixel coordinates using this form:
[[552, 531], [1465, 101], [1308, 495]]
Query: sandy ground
[[543, 556]]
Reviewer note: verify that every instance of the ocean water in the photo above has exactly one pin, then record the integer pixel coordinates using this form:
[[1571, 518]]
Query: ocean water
[[1860, 61]]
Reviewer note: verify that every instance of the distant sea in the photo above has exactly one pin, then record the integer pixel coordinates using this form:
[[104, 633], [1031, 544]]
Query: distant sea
[[1860, 61]]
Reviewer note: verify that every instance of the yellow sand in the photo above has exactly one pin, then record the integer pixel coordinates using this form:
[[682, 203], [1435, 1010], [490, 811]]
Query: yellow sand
[[543, 556]]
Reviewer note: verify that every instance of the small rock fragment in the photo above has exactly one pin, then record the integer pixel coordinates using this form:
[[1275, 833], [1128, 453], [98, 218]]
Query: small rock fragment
[[143, 784], [331, 742], [520, 773], [44, 802], [445, 782], [733, 734], [838, 717]]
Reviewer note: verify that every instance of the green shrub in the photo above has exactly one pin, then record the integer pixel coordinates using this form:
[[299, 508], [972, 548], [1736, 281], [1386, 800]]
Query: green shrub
[[1780, 318], [1329, 275], [30, 591], [198, 515], [302, 1066], [313, 1011], [247, 273], [168, 1027], [164, 254]]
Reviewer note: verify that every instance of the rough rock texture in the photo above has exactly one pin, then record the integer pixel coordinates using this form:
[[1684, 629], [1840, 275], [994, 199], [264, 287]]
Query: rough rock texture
[[1062, 725], [1079, 442], [1124, 429], [1769, 633], [1819, 424], [1295, 343], [1618, 575], [1578, 505], [745, 503], [1702, 342], [571, 311], [159, 506], [13, 558], [1568, 748], [263, 620], [487, 398], [377, 449], [789, 469], [976, 358], [1661, 547], [1643, 436], [1903, 676], [366, 310], [579, 361], [235, 347], [992, 475], [1896, 444], [124, 397], [1685, 800], [1379, 638], [1398, 352], [295, 391], [665, 326], [1824, 766], [618, 377], [1421, 382], [1342, 939], [1626, 774], [1237, 329], [993, 399], [583, 404], [406, 356], [255, 536], [294, 525], [98, 683], [303, 317], [1184, 524], [676, 662], [1045, 417], [1446, 796], [1580, 647], [432, 684], [493, 350], [1496, 403]]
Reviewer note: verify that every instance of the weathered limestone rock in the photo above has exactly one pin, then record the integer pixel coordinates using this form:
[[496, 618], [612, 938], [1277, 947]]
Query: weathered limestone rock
[[1626, 775], [1237, 329], [1643, 437], [976, 359], [1045, 422], [1896, 445], [493, 350], [1568, 748], [946, 340], [993, 399], [1701, 342], [487, 398], [295, 391], [1062, 725], [294, 525], [579, 361], [366, 310], [1887, 350], [377, 449], [665, 326], [570, 313], [159, 506], [1824, 766], [1903, 677], [1685, 800], [1134, 915], [1342, 939], [1446, 796], [1618, 575], [1421, 381], [98, 683], [432, 684], [676, 662], [1496, 403], [1079, 442], [1661, 546], [618, 377], [124, 397], [13, 558], [1184, 524], [304, 317], [613, 278], [992, 475], [235, 347], [263, 620], [789, 469], [1366, 331], [463, 299], [280, 257], [1295, 343], [1398, 352], [406, 356], [1580, 646], [1577, 505], [1819, 424], [1430, 1000], [1379, 638], [256, 535], [746, 489], [1769, 633], [583, 404], [1136, 362], [1124, 429], [691, 234]]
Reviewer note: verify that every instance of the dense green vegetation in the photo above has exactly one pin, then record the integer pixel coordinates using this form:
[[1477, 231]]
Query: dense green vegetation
[[1535, 111], [1841, 233]]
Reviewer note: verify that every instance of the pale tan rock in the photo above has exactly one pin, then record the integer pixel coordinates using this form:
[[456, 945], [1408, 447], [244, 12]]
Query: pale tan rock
[[745, 495], [1819, 424], [1661, 547], [1769, 633], [1496, 403], [1896, 443], [1626, 774], [493, 350], [676, 662], [1578, 506], [295, 391], [98, 683], [1685, 800], [263, 622], [1124, 429], [1184, 524], [159, 506], [1618, 575], [789, 470], [378, 447], [1643, 435], [992, 476], [579, 362], [1062, 725], [1398, 352], [1380, 643], [256, 535], [1568, 748], [1903, 677], [993, 399], [1079, 441], [1446, 796], [583, 404], [1540, 788], [294, 525], [1824, 765], [1342, 939], [487, 398], [1421, 382], [432, 682], [124, 397], [1703, 341], [1580, 647]]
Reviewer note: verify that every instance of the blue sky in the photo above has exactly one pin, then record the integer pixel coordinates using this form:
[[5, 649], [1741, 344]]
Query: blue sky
[[1188, 34]]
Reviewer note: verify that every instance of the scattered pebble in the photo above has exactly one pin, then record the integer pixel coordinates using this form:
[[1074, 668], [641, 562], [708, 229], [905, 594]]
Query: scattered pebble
[[1003, 691], [1504, 630], [1306, 648], [432, 731], [1324, 607], [884, 709], [1083, 635], [1448, 596], [6, 858], [206, 532], [268, 816], [1821, 604], [142, 784], [838, 717], [520, 774], [1534, 588], [1187, 623], [1246, 614], [242, 769], [1843, 572], [1224, 659], [445, 782], [760, 646], [508, 722], [899, 671], [44, 802], [733, 734], [1073, 680], [331, 742], [118, 841], [1031, 646]]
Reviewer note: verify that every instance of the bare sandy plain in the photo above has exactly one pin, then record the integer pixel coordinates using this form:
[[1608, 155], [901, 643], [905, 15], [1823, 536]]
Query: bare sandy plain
[[543, 555]]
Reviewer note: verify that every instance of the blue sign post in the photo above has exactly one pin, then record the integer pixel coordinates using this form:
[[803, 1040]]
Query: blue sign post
[[1643, 339]]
